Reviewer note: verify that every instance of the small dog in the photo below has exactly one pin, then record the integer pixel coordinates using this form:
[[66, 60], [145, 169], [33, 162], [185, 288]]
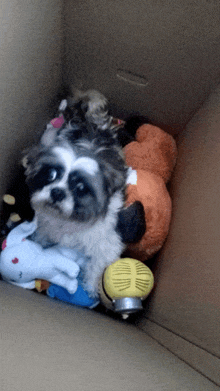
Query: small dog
[[77, 179]]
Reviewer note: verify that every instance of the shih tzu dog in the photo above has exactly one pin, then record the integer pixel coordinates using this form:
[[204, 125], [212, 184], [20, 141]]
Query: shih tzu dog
[[77, 179]]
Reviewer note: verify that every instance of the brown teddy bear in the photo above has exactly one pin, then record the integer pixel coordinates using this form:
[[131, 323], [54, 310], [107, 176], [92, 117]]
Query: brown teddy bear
[[152, 157]]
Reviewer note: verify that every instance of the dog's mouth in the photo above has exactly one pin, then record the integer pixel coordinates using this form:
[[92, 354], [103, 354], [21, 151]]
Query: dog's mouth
[[57, 209], [54, 206]]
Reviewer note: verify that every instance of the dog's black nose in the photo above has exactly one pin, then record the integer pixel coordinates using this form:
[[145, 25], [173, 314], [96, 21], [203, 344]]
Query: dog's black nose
[[57, 194]]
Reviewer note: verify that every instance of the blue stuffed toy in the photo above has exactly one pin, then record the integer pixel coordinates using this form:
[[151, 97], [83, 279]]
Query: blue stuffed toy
[[80, 297], [23, 261]]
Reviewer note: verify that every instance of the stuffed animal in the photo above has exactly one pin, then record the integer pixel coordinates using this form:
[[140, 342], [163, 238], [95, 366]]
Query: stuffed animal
[[152, 157], [22, 261], [80, 297], [26, 264]]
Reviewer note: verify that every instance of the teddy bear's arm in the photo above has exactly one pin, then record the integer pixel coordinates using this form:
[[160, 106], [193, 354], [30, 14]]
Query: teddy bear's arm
[[131, 224]]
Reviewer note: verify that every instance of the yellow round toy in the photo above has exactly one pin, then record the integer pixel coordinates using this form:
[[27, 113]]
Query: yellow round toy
[[125, 284]]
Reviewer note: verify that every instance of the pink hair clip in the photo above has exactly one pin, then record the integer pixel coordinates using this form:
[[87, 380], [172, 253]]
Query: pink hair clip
[[57, 122]]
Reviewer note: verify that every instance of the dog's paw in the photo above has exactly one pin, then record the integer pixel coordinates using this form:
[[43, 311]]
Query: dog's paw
[[92, 288]]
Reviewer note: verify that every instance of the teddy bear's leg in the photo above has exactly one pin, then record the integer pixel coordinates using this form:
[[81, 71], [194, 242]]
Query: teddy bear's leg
[[131, 223]]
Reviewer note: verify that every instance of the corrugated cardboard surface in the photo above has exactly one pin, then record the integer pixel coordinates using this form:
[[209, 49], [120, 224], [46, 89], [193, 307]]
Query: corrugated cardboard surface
[[160, 58], [186, 300], [49, 345], [30, 63]]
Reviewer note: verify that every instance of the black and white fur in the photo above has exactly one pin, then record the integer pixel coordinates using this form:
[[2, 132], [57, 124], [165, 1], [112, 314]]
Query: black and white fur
[[77, 179]]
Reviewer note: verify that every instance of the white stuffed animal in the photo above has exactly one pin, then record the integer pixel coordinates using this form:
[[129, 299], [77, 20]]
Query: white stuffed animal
[[22, 261]]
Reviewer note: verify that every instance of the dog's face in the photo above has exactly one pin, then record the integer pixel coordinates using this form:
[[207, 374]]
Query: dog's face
[[68, 185], [74, 179]]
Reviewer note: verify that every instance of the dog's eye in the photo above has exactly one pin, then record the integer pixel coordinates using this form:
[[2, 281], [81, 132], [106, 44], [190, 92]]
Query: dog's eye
[[51, 174], [46, 175], [78, 185], [81, 188]]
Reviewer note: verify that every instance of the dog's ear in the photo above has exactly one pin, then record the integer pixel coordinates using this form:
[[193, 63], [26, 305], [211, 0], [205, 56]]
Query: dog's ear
[[29, 155], [114, 169], [49, 136], [54, 127], [25, 161], [114, 180]]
